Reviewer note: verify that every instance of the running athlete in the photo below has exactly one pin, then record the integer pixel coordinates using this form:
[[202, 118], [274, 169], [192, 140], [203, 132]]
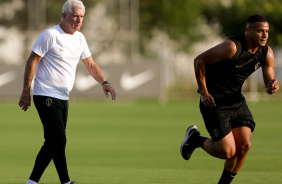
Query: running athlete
[[220, 73], [56, 52]]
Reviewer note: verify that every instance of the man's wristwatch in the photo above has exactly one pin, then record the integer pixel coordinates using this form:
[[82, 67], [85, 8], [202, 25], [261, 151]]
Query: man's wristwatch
[[105, 82]]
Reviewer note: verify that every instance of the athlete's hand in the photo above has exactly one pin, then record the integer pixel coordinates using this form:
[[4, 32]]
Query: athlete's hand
[[25, 100], [108, 88], [272, 86], [207, 100]]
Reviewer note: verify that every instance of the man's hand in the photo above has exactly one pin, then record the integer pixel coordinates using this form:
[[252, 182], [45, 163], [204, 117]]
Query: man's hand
[[207, 100], [272, 86], [108, 88], [25, 100]]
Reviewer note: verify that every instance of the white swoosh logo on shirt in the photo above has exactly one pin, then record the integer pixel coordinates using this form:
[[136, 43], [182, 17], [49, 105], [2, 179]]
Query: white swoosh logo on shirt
[[130, 82], [83, 83], [7, 77]]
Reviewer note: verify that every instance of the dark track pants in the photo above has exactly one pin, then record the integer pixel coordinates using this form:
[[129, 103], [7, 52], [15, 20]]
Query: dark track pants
[[53, 114]]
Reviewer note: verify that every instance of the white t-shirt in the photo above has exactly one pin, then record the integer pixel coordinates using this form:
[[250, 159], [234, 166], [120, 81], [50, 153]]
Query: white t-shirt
[[60, 54]]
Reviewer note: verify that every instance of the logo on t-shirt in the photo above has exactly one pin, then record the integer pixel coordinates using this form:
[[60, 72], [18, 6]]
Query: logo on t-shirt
[[257, 66]]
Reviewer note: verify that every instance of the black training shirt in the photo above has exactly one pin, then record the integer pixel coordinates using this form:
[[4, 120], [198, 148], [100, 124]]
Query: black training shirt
[[225, 79]]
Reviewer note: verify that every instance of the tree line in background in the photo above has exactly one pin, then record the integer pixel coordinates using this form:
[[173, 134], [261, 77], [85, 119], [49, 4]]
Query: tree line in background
[[180, 19]]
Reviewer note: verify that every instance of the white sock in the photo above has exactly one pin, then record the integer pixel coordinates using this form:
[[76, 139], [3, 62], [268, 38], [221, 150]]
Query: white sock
[[31, 182], [68, 182]]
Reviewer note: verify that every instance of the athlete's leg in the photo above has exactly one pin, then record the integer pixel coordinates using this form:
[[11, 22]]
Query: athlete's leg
[[233, 147], [230, 129], [242, 136], [224, 148]]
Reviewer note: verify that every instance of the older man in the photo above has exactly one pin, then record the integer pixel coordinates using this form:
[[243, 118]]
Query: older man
[[56, 52]]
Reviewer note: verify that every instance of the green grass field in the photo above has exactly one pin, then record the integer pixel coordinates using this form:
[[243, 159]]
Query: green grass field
[[135, 142]]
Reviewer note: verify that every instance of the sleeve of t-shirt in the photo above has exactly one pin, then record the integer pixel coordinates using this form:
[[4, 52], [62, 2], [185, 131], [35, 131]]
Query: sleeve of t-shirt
[[85, 52], [42, 44]]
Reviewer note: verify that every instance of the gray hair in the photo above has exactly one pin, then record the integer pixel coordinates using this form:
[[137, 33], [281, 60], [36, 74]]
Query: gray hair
[[69, 4]]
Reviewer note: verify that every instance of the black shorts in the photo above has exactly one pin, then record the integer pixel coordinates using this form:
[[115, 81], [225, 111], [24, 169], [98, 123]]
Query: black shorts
[[220, 120]]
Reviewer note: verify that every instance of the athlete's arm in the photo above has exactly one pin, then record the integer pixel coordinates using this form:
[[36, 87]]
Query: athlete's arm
[[30, 66], [271, 84], [97, 74], [224, 51]]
